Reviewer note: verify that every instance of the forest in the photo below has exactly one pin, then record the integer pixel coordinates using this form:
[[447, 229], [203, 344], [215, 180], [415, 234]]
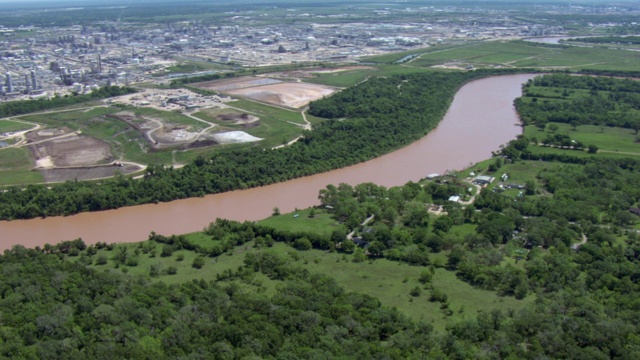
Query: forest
[[580, 100], [376, 124]]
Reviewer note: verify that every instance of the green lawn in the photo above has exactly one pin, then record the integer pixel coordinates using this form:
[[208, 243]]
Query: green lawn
[[20, 177], [10, 126], [16, 167], [16, 159], [268, 111], [611, 141], [522, 171], [321, 223]]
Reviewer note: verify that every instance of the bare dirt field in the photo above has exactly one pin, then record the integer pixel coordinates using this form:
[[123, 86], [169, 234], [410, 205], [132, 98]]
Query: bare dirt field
[[293, 95], [236, 83], [71, 150], [87, 173]]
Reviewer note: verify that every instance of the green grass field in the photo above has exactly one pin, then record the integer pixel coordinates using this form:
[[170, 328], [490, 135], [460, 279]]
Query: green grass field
[[521, 54], [15, 167], [20, 177], [16, 159], [396, 56], [268, 111], [321, 223], [611, 141], [7, 125], [342, 78], [74, 119]]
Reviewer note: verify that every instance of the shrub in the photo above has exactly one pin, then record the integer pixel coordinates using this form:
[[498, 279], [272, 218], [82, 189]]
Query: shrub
[[198, 262]]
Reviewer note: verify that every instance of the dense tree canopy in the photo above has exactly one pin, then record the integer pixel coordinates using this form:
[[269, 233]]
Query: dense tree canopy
[[580, 100]]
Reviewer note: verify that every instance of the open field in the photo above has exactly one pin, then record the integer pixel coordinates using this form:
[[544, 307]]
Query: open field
[[397, 56], [20, 177], [16, 159], [389, 281], [521, 54], [73, 150], [7, 125], [86, 173], [343, 78], [16, 166], [611, 141], [321, 223]]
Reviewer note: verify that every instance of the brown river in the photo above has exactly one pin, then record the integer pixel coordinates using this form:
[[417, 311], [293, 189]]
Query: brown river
[[480, 119]]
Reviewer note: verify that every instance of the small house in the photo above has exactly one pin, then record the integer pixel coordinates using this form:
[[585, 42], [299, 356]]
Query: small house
[[635, 210]]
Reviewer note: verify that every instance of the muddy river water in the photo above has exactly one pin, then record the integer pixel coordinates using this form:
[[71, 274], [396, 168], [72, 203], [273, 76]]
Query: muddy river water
[[480, 119]]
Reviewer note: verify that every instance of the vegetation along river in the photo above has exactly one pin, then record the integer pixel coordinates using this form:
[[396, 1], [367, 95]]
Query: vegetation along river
[[480, 119]]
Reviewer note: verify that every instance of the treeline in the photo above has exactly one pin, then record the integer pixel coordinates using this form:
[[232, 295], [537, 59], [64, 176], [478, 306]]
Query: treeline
[[609, 39], [385, 114], [20, 107], [617, 73], [553, 98]]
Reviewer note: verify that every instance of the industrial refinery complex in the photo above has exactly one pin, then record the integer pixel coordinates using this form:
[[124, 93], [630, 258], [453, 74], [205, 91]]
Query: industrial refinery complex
[[44, 61]]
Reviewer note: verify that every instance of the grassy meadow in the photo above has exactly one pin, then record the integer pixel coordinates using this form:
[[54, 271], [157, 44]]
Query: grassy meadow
[[16, 165], [522, 54], [342, 78], [391, 282], [7, 125], [611, 141]]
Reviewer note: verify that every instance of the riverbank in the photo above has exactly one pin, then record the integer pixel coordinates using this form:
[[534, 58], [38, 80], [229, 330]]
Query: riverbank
[[479, 120]]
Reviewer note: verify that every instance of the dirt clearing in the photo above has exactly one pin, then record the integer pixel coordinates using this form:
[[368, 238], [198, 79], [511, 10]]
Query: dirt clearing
[[72, 150], [293, 95]]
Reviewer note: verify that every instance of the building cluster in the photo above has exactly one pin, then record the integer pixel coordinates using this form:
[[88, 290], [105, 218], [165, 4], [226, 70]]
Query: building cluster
[[37, 61]]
